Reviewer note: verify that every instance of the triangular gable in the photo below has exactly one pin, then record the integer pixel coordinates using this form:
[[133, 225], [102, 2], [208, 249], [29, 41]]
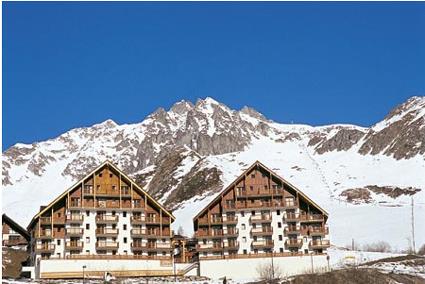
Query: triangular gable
[[111, 165], [15, 226], [258, 163]]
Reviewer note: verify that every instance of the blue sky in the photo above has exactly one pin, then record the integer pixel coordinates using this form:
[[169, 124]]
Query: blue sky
[[67, 65]]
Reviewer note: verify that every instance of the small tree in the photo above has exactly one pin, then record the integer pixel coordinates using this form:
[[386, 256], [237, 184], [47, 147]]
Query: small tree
[[377, 247], [269, 273], [180, 231]]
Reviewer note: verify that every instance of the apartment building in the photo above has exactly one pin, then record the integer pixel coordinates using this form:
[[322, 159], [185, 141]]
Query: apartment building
[[12, 233], [260, 213], [105, 215]]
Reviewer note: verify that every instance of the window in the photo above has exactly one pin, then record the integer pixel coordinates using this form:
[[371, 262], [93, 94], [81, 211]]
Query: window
[[98, 186], [252, 175], [204, 241], [251, 187], [306, 251], [281, 250], [59, 242], [113, 187], [243, 227], [278, 212], [125, 240], [279, 224], [255, 238], [88, 213], [265, 187], [87, 226], [124, 214], [125, 252], [124, 227], [110, 175], [58, 254], [87, 240], [244, 239], [254, 226], [253, 213], [87, 252], [100, 175], [59, 214], [242, 213], [305, 239], [280, 237], [245, 252], [113, 213]]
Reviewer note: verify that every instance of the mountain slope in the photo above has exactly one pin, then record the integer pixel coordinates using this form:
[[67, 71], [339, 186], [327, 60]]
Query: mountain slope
[[185, 155]]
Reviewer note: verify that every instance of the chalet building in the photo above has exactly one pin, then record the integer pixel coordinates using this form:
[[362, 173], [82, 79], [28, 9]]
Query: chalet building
[[105, 215], [12, 233], [261, 213]]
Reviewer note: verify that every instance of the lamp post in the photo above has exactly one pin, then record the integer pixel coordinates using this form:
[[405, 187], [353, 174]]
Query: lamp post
[[84, 275]]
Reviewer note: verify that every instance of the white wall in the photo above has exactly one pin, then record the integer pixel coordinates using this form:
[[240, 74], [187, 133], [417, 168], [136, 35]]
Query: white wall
[[246, 268]]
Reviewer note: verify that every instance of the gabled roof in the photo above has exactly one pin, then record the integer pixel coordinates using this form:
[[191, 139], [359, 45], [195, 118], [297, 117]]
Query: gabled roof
[[15, 226], [108, 164], [256, 164]]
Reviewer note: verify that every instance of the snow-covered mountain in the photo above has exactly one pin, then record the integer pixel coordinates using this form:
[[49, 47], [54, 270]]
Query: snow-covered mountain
[[364, 177]]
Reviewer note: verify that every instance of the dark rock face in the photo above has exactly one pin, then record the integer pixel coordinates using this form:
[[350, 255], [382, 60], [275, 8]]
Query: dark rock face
[[363, 195], [343, 140]]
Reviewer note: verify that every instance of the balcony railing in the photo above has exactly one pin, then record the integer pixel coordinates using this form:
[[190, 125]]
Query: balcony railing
[[231, 245], [45, 247], [88, 190], [319, 244], [230, 219], [316, 231], [77, 218], [45, 220], [74, 231], [261, 218], [292, 230], [311, 218], [233, 232], [293, 243], [74, 245], [262, 244], [231, 206], [210, 246], [152, 220], [137, 220], [75, 204], [107, 245], [292, 217], [107, 218], [210, 233], [262, 231], [47, 234], [217, 220], [106, 232]]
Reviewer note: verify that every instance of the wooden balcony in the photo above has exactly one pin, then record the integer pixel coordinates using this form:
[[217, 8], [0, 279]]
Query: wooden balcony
[[152, 220], [209, 234], [293, 243], [292, 217], [231, 245], [311, 218], [45, 221], [45, 235], [151, 246], [230, 220], [107, 245], [74, 245], [137, 232], [291, 230], [319, 244], [231, 233], [106, 219], [209, 247], [106, 232], [259, 192], [316, 231], [45, 248], [88, 190], [59, 220], [75, 205], [292, 204], [263, 218], [212, 221], [125, 192], [74, 232], [74, 218], [137, 220], [262, 231], [231, 206], [264, 244]]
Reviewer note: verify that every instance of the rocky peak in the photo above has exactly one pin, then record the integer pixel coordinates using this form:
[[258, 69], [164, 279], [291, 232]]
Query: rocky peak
[[253, 113]]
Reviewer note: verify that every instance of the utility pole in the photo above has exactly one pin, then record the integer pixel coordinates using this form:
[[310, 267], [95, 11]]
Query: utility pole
[[413, 227], [352, 244]]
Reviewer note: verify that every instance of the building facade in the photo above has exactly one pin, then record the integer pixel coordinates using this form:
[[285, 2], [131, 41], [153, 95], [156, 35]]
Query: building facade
[[104, 215], [12, 233], [261, 213]]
